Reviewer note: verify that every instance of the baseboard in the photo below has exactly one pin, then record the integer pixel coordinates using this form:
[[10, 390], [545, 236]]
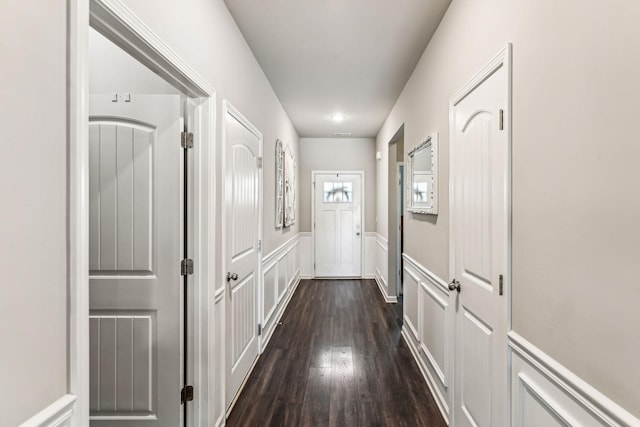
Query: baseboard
[[441, 401], [59, 414], [538, 381], [280, 312], [383, 291], [306, 276], [221, 420]]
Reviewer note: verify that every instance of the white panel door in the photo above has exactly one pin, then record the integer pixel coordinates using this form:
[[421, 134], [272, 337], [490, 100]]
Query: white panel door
[[242, 253], [135, 201], [480, 223], [338, 228]]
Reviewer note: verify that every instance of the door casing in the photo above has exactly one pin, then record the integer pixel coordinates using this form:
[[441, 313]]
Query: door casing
[[120, 25], [313, 213]]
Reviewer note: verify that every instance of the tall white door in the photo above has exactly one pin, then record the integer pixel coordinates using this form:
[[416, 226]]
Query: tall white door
[[242, 249], [480, 180], [135, 204], [338, 224]]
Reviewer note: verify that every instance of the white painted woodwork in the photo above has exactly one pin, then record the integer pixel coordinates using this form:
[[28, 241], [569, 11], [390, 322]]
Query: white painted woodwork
[[370, 252], [120, 214], [382, 268], [545, 393], [280, 263], [241, 253], [480, 246], [432, 327], [135, 201], [431, 338], [60, 413], [338, 233]]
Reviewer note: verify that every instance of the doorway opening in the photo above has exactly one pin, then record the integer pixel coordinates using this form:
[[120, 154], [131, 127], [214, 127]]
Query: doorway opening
[[395, 213], [137, 223]]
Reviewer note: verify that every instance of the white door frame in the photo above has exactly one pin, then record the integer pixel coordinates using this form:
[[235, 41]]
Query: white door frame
[[502, 59], [119, 24], [399, 236], [313, 213], [228, 108]]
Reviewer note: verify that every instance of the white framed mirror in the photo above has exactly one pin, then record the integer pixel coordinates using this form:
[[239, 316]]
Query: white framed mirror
[[422, 177]]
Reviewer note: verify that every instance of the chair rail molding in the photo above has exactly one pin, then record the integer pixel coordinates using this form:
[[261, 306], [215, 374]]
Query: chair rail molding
[[554, 395], [58, 414]]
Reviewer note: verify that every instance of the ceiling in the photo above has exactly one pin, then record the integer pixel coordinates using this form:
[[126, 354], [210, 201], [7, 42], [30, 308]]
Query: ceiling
[[337, 56]]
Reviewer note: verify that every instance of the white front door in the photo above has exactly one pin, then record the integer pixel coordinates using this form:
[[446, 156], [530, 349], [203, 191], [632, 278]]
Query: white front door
[[135, 205], [338, 224], [480, 207], [242, 252]]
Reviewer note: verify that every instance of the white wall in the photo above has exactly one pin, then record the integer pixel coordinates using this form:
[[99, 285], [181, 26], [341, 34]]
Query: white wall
[[337, 154], [33, 218], [112, 70], [575, 209], [213, 45]]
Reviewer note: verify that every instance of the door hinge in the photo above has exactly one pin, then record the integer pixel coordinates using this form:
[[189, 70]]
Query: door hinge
[[259, 245], [259, 162], [186, 267], [186, 140], [259, 328], [501, 285], [501, 119], [186, 395]]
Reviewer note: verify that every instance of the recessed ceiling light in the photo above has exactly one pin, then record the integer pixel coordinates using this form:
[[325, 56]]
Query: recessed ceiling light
[[338, 117]]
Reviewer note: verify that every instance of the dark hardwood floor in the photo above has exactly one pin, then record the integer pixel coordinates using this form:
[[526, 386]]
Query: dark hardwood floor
[[337, 359]]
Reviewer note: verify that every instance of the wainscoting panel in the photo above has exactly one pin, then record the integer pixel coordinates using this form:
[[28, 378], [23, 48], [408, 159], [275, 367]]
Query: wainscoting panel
[[58, 414], [305, 255], [370, 253], [429, 328], [281, 274], [544, 393], [382, 262]]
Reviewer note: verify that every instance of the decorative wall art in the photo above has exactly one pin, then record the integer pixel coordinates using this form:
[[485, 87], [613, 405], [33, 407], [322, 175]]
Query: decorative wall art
[[289, 188], [279, 184]]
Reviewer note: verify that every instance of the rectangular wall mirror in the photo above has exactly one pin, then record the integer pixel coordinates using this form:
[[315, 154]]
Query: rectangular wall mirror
[[422, 177]]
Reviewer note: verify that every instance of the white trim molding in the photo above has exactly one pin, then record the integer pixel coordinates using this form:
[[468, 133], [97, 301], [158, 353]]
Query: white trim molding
[[382, 263], [59, 414], [369, 258], [428, 329], [280, 279], [553, 395], [306, 257]]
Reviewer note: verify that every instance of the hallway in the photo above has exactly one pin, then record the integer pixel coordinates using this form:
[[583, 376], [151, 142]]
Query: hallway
[[337, 359]]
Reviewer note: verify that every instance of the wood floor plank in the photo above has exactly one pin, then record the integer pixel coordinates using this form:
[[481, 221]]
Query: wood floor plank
[[337, 359]]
